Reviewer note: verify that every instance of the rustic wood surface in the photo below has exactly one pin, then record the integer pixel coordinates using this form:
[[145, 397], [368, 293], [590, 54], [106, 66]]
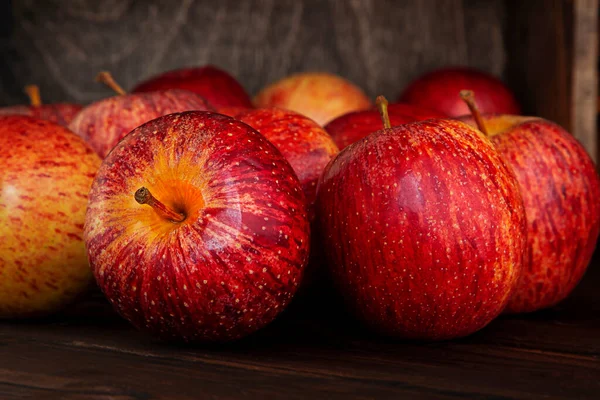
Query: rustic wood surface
[[309, 352]]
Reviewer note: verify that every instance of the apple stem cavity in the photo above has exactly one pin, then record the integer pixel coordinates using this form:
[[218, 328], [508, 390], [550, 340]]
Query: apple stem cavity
[[143, 196], [382, 106], [33, 91], [106, 78], [469, 98]]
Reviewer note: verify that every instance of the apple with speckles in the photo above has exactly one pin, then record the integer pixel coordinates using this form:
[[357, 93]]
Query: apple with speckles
[[438, 90], [46, 172], [217, 86], [560, 188], [103, 123], [320, 96], [60, 113], [354, 126], [197, 228], [424, 228]]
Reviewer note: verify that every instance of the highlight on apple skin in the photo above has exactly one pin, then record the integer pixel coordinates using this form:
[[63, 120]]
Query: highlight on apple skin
[[356, 125], [217, 86], [425, 229], [220, 248], [103, 123], [560, 188], [317, 95], [45, 175]]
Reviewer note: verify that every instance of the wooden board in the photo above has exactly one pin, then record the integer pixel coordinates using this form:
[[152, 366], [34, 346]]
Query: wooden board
[[311, 352]]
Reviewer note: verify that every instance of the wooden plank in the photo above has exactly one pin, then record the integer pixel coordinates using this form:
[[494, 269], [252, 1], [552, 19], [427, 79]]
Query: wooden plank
[[380, 45]]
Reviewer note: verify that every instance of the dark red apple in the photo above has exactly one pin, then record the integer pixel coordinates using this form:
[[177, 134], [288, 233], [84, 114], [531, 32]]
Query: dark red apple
[[218, 87], [103, 123], [304, 143], [561, 192], [438, 90], [197, 228], [59, 113], [424, 228], [354, 126]]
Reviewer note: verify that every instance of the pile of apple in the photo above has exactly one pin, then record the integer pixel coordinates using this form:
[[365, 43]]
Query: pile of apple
[[202, 212]]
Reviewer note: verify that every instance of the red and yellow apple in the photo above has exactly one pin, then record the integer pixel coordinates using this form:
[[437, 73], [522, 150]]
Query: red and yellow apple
[[560, 188], [218, 87], [424, 229], [197, 228], [352, 127], [320, 96], [60, 113], [103, 123], [438, 90], [45, 174]]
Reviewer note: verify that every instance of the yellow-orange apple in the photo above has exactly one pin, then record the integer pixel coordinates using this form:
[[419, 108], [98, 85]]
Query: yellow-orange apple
[[46, 172], [320, 96]]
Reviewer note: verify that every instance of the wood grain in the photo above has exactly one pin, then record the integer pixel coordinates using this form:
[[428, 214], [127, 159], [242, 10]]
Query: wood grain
[[380, 45]]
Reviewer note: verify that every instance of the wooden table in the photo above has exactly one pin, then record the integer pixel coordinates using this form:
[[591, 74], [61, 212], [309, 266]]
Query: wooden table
[[90, 353]]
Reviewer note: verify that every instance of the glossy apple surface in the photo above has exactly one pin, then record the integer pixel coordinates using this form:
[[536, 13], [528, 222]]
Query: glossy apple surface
[[304, 143], [105, 122], [561, 192], [320, 96], [356, 125], [439, 91], [45, 174], [59, 113], [218, 87], [235, 260], [425, 229]]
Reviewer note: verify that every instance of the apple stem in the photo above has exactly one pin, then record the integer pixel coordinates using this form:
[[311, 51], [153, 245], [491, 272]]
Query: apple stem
[[382, 106], [106, 78], [469, 97], [33, 91], [143, 196]]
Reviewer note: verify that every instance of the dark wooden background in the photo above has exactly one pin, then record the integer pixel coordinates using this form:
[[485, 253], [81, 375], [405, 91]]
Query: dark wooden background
[[379, 44]]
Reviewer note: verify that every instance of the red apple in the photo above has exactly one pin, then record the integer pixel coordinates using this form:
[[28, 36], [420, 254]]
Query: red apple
[[438, 90], [320, 96], [351, 127], [303, 142], [60, 113], [45, 174], [196, 228], [103, 123], [560, 188], [218, 87], [424, 228]]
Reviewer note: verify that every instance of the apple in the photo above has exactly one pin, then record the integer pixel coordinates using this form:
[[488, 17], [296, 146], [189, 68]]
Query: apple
[[60, 113], [304, 144], [354, 126], [424, 229], [45, 174], [103, 123], [560, 188], [218, 87], [197, 228], [438, 90], [320, 96]]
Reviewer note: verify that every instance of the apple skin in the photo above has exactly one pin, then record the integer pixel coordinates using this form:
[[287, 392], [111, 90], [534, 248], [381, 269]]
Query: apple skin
[[218, 87], [103, 123], [320, 96], [439, 91], [356, 125], [59, 113], [236, 260], [45, 174], [304, 144], [425, 229], [560, 188]]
